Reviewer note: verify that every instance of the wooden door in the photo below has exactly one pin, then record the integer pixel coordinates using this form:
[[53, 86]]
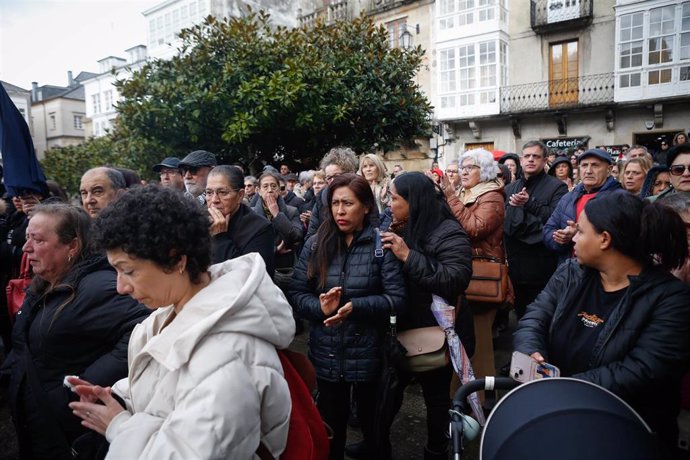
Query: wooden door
[[563, 74]]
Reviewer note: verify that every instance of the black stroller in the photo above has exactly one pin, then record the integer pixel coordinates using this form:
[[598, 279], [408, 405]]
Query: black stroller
[[563, 418]]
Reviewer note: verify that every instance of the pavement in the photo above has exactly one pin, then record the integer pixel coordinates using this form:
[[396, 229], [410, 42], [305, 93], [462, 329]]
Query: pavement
[[408, 434]]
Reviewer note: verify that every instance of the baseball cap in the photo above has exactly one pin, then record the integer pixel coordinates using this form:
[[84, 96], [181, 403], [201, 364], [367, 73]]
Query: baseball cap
[[169, 162]]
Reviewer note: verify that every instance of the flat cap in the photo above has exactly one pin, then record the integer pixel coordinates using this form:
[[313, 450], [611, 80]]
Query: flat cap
[[198, 158], [169, 162]]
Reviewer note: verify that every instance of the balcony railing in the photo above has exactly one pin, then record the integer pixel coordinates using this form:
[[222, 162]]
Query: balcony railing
[[550, 15], [328, 14], [583, 91], [379, 6]]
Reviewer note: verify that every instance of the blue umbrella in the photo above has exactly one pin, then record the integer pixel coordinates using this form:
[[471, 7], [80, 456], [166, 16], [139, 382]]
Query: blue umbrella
[[21, 168]]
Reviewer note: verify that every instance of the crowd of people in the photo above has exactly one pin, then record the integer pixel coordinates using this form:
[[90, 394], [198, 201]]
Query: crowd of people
[[151, 324]]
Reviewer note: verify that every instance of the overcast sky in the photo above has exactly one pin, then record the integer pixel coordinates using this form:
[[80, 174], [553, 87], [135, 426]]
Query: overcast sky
[[40, 40]]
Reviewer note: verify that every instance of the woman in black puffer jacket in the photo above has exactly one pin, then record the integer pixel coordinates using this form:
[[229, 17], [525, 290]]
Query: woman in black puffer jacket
[[437, 259], [343, 289]]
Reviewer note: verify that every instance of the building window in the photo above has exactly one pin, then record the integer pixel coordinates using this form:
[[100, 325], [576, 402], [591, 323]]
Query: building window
[[96, 103], [78, 122], [53, 125], [108, 99], [395, 31], [458, 13], [470, 74], [657, 77], [685, 73]]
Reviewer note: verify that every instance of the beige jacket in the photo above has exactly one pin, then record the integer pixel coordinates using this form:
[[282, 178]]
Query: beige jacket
[[210, 384]]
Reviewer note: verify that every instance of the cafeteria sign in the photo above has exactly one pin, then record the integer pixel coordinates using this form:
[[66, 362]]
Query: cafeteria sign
[[565, 143]]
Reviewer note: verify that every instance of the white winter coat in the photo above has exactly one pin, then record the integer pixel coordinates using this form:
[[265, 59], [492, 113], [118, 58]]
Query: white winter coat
[[210, 384]]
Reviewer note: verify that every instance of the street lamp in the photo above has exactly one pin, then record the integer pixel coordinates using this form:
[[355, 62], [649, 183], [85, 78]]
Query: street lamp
[[406, 37]]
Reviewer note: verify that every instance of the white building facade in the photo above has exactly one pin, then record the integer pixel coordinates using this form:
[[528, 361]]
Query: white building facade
[[101, 95]]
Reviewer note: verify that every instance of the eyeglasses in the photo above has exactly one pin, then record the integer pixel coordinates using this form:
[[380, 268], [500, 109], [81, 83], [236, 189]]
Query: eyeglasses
[[468, 168], [221, 192], [169, 172], [330, 178], [678, 170], [451, 171]]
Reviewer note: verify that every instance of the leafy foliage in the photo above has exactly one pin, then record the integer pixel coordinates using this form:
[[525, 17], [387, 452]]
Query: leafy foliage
[[245, 90]]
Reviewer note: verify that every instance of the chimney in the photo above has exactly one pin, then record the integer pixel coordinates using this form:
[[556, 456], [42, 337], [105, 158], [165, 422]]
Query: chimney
[[34, 91], [70, 80]]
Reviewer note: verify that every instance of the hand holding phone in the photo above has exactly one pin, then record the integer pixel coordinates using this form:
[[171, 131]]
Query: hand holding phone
[[525, 369]]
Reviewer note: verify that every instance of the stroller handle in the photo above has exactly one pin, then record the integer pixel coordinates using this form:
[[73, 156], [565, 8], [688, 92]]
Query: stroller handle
[[489, 384]]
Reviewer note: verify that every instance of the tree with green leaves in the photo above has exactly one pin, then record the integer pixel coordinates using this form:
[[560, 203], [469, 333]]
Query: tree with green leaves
[[248, 91]]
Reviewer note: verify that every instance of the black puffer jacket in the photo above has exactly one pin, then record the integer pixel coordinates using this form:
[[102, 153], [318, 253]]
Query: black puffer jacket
[[351, 351], [444, 268], [88, 338], [643, 349]]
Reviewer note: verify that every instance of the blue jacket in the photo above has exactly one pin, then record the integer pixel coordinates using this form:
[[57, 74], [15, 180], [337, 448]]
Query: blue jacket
[[351, 351], [566, 210], [644, 348]]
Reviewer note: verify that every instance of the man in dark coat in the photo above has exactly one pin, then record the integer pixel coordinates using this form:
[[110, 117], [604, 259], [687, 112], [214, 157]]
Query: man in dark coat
[[532, 199]]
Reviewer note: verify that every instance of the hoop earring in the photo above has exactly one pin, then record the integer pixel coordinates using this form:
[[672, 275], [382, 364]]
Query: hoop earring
[[69, 258]]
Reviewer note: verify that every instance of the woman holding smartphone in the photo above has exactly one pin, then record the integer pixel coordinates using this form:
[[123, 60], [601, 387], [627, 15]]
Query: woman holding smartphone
[[615, 316]]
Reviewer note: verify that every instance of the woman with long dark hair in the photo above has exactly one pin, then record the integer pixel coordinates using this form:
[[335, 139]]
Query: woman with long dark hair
[[436, 254], [615, 316], [347, 292]]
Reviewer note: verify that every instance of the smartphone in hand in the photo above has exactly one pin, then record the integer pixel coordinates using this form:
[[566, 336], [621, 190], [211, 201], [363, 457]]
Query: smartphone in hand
[[524, 369]]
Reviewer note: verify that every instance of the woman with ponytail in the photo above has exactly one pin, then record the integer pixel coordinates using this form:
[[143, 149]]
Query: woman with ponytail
[[614, 315]]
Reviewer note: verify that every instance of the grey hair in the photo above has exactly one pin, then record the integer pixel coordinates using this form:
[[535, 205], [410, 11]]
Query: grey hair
[[251, 179], [306, 176], [116, 178], [679, 201], [342, 156], [485, 161], [277, 177]]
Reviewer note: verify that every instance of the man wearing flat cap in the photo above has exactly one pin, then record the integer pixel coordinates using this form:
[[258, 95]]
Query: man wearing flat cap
[[595, 170], [195, 168], [169, 172]]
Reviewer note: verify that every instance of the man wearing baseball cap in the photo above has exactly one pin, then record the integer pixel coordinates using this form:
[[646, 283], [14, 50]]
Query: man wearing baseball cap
[[169, 172], [595, 170], [195, 168]]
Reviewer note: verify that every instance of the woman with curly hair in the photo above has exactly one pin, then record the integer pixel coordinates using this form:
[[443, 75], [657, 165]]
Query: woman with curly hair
[[480, 209], [347, 292], [205, 380]]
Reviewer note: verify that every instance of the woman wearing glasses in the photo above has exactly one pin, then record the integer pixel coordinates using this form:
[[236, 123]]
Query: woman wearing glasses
[[678, 161], [283, 218], [235, 229], [479, 206]]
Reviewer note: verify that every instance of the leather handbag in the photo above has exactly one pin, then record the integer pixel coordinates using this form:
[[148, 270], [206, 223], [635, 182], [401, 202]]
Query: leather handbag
[[489, 283], [16, 288], [426, 349]]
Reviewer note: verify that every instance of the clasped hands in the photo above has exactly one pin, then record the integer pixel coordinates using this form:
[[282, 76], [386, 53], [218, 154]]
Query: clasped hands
[[329, 305]]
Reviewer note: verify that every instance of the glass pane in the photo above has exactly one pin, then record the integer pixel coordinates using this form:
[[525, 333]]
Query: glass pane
[[684, 73], [653, 78], [624, 81], [665, 76], [635, 79], [654, 57], [636, 60], [626, 34], [625, 62], [638, 18], [626, 21]]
